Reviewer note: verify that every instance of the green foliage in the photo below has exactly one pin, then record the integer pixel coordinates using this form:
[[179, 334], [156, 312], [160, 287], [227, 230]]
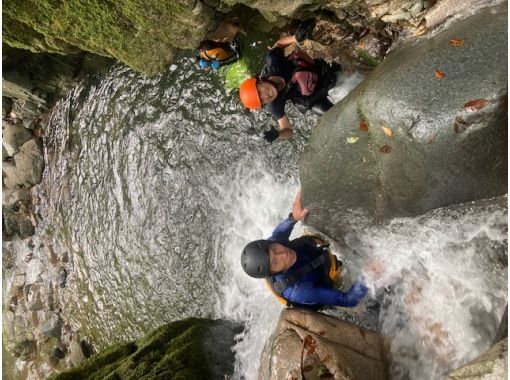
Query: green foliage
[[254, 51], [367, 59], [141, 34], [173, 351]]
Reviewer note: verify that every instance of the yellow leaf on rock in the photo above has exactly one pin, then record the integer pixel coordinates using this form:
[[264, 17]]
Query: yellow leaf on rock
[[352, 139], [388, 132]]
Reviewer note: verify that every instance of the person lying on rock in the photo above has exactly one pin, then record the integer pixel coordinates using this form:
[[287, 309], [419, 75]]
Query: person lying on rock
[[296, 77], [214, 54], [299, 271]]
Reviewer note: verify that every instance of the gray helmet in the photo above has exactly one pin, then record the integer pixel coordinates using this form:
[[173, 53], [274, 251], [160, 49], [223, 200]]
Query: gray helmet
[[255, 259]]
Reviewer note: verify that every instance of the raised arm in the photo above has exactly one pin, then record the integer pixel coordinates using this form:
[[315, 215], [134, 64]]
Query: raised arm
[[308, 294], [284, 229]]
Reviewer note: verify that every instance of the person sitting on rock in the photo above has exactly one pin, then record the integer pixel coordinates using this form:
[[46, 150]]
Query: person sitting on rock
[[299, 271], [297, 77], [214, 54]]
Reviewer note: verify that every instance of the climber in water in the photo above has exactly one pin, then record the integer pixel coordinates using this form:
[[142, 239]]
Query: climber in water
[[297, 77], [214, 54], [301, 272]]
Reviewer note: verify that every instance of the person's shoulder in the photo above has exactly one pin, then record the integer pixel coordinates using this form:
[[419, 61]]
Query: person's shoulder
[[277, 107]]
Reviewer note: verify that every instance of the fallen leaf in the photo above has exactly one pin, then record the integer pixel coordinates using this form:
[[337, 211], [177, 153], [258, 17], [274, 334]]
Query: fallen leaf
[[456, 127], [456, 42], [308, 368], [321, 333], [475, 105], [388, 132], [438, 74], [352, 139], [309, 344], [326, 358], [421, 31], [385, 149], [363, 126]]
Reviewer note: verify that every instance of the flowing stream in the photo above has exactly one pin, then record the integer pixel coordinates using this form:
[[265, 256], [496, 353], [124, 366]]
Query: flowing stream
[[154, 185]]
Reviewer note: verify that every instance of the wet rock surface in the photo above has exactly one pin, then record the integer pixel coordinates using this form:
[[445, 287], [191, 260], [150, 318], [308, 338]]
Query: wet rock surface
[[410, 139], [311, 345], [492, 364]]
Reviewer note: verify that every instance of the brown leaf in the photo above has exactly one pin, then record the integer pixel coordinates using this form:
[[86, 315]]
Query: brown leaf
[[309, 344], [456, 127], [326, 358], [438, 74], [388, 132], [385, 149], [308, 368], [321, 333], [363, 126], [456, 42], [475, 105]]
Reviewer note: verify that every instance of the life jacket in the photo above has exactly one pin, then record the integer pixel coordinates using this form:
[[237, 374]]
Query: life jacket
[[216, 53], [318, 255]]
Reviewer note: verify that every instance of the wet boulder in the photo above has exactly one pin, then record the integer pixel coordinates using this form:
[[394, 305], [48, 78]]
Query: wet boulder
[[426, 129], [492, 364], [14, 136], [27, 168], [192, 348], [311, 345]]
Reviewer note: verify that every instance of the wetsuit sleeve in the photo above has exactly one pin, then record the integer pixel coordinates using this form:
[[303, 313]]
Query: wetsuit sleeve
[[308, 294], [275, 57], [283, 230], [277, 107]]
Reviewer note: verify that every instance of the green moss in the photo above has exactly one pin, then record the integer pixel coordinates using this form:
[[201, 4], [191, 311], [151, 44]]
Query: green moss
[[141, 34], [367, 59], [173, 351]]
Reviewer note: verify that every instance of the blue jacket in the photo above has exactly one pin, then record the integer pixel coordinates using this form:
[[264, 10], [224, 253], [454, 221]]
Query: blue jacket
[[312, 289]]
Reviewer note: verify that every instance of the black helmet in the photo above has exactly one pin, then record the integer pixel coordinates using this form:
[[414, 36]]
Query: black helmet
[[255, 258]]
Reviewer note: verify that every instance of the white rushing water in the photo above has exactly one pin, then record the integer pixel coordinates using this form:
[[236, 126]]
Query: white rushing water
[[441, 280]]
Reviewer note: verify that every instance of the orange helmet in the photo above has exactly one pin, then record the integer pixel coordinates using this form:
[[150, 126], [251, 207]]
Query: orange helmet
[[249, 94]]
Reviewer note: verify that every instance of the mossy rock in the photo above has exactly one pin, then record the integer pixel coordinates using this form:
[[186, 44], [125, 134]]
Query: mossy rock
[[142, 34], [186, 349]]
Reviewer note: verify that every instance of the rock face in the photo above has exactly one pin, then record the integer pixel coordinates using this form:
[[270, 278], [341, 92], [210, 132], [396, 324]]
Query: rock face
[[144, 35], [427, 128], [178, 350], [492, 364], [310, 345]]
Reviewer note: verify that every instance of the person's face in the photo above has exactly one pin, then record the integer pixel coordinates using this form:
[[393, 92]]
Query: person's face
[[267, 92], [280, 258]]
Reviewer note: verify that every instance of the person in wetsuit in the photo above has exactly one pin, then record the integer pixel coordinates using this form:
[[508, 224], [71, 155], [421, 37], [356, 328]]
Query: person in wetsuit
[[294, 268], [297, 77]]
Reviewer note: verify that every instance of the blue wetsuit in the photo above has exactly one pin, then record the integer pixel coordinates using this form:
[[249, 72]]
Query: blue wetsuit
[[312, 289]]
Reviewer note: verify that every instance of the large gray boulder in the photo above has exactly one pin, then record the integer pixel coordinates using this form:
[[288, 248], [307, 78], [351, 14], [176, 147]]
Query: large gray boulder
[[14, 136], [407, 140], [310, 345], [27, 168]]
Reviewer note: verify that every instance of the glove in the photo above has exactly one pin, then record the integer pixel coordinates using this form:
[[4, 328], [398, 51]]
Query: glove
[[358, 290], [215, 64], [203, 64], [271, 135]]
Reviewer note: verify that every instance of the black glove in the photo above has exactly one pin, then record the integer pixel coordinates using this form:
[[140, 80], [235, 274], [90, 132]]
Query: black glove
[[271, 134]]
